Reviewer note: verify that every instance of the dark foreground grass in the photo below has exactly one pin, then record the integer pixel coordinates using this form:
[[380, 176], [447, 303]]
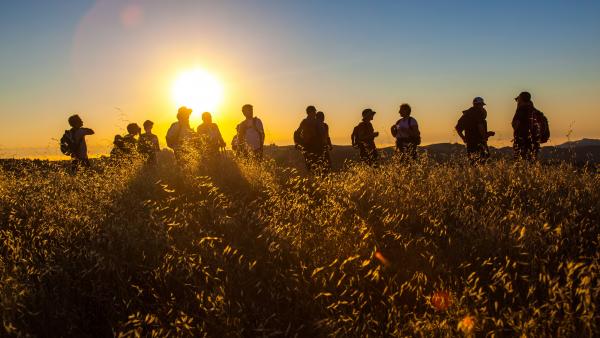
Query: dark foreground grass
[[240, 249]]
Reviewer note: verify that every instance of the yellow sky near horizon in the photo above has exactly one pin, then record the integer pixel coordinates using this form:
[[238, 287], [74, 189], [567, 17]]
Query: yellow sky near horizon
[[116, 63]]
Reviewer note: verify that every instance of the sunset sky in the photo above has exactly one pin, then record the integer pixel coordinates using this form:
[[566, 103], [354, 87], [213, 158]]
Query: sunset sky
[[116, 61]]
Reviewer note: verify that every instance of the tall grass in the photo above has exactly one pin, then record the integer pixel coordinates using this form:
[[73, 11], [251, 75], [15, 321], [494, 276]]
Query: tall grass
[[230, 248]]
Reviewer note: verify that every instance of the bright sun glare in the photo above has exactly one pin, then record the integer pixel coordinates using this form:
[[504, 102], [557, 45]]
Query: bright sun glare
[[199, 90]]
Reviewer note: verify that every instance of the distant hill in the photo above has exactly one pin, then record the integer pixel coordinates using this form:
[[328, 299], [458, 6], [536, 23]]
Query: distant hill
[[586, 142]]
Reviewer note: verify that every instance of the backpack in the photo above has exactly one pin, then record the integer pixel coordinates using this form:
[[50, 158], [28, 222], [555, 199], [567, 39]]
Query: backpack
[[172, 138], [308, 133], [540, 129], [68, 146], [416, 139]]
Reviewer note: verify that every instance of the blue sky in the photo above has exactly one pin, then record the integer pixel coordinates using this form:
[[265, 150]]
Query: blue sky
[[59, 57]]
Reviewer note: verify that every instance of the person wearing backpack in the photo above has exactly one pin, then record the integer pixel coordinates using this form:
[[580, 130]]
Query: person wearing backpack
[[180, 133], [209, 136], [309, 139], [250, 138], [406, 132], [472, 129], [530, 128], [148, 144], [363, 138], [73, 143]]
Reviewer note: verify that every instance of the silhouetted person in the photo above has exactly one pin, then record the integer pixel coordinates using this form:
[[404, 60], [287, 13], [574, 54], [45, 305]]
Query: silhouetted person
[[327, 146], [310, 140], [530, 128], [363, 138], [180, 133], [407, 134], [148, 144], [130, 143], [472, 129], [250, 137], [118, 146], [209, 136], [73, 143]]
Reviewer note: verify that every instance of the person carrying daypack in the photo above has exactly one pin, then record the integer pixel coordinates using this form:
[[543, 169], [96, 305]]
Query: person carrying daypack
[[250, 138], [148, 144], [309, 139], [180, 133], [363, 138], [472, 129], [209, 136], [406, 132], [73, 144], [530, 128]]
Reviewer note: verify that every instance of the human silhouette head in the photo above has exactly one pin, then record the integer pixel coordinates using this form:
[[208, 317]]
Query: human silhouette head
[[524, 98], [148, 126], [311, 111], [248, 111], [478, 102], [183, 114], [133, 129], [405, 110], [206, 117], [368, 114], [75, 121], [320, 116]]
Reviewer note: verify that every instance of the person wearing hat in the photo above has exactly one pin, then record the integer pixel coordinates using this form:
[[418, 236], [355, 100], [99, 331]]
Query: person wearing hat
[[530, 128], [309, 138], [130, 143], [363, 138], [472, 129], [180, 132]]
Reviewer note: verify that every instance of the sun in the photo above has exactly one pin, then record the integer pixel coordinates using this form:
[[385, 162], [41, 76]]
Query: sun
[[197, 89]]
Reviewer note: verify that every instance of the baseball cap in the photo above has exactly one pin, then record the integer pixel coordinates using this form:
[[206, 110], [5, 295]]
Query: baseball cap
[[479, 99], [368, 112], [183, 111], [525, 96]]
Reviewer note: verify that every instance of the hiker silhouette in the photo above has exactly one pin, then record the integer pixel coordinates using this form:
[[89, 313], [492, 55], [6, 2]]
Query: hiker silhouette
[[148, 144], [250, 138], [180, 134], [310, 139], [327, 146], [363, 138], [209, 137], [406, 132], [472, 129], [530, 128], [74, 145]]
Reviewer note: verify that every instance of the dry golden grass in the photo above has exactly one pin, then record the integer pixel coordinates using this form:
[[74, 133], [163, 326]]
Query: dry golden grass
[[232, 248]]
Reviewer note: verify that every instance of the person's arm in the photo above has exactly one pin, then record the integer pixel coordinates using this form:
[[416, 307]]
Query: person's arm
[[87, 131], [516, 121], [460, 129], [261, 132]]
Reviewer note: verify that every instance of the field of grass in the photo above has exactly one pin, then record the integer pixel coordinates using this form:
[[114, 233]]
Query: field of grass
[[241, 249]]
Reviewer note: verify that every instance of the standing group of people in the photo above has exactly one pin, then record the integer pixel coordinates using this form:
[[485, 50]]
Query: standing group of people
[[530, 128]]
